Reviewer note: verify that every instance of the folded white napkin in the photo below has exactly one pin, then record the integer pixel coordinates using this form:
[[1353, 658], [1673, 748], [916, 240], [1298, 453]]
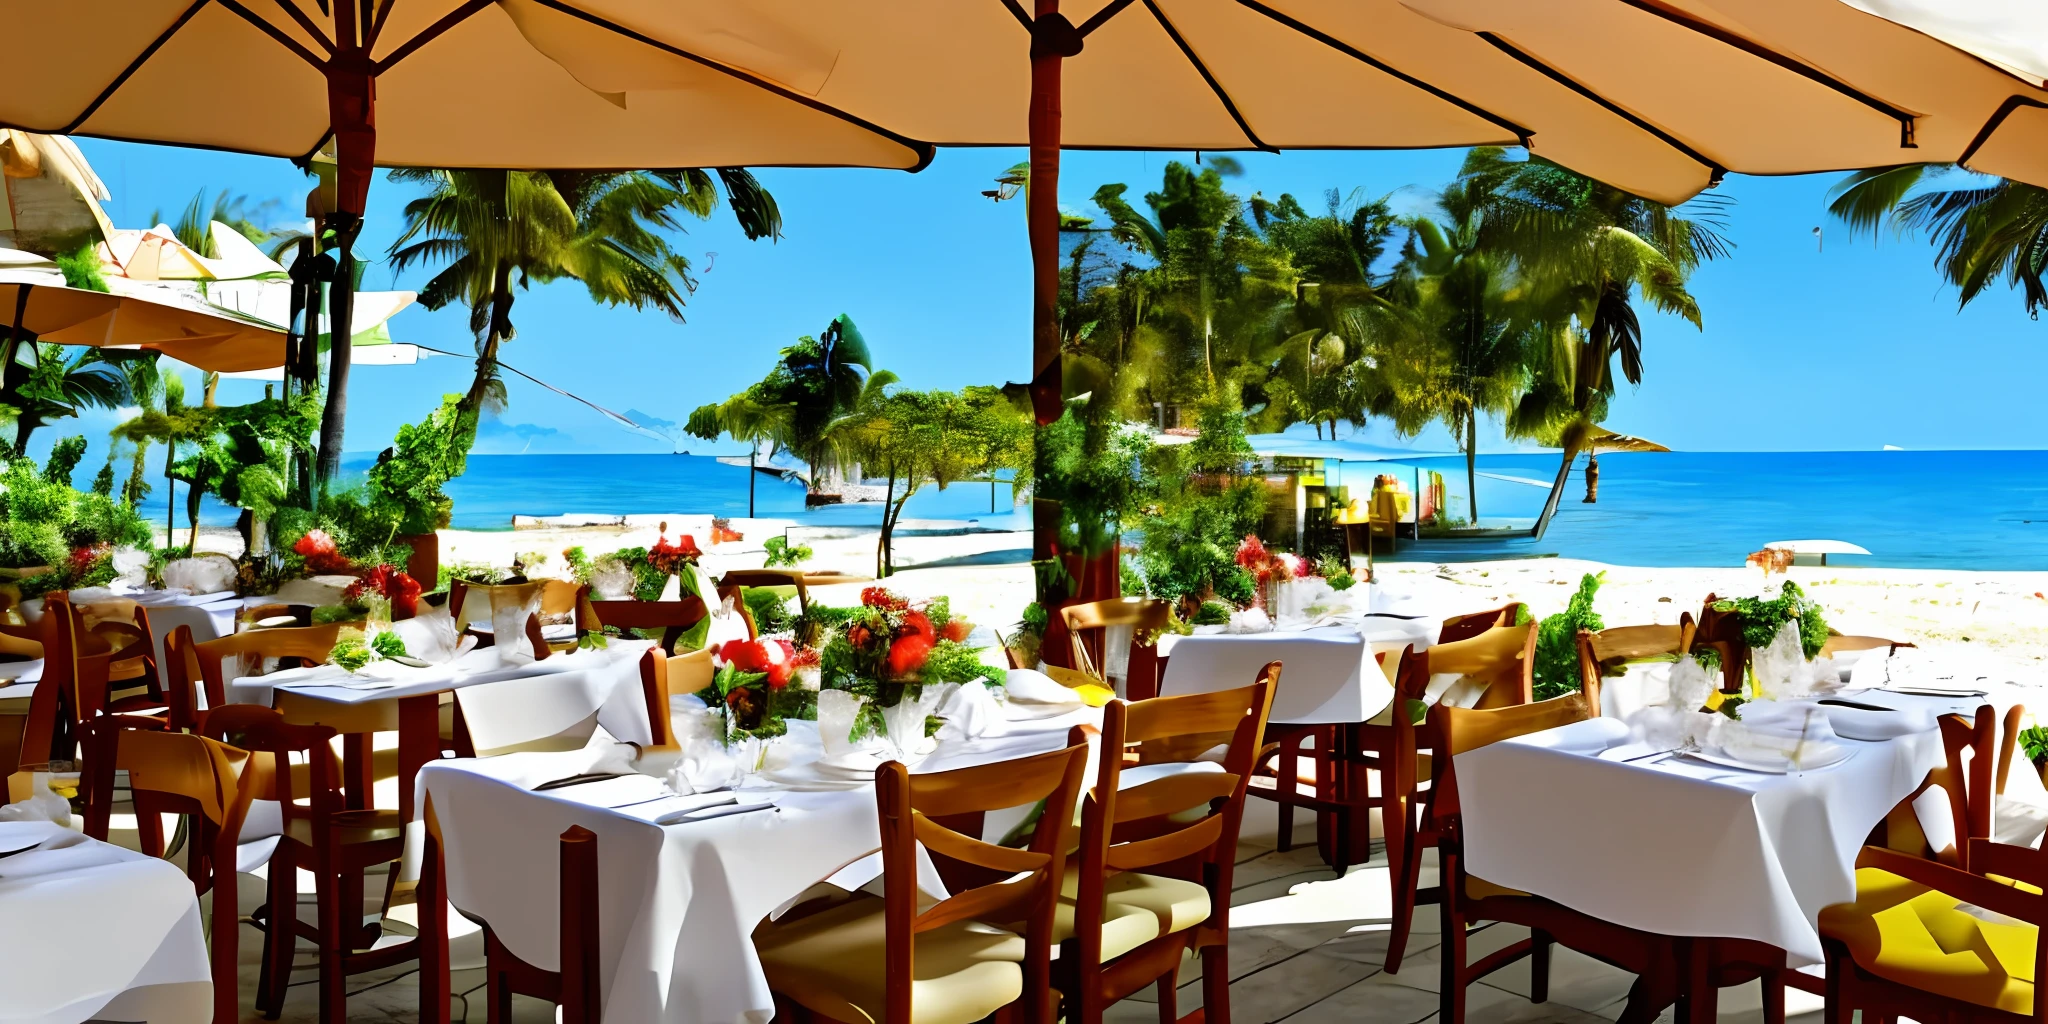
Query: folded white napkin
[[1771, 733], [432, 636], [203, 575], [41, 805], [970, 712], [1859, 724], [904, 724], [1030, 686]]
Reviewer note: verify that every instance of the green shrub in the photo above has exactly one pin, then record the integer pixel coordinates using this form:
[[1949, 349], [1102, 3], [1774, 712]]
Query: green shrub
[[780, 553], [1212, 613], [1557, 640], [769, 609], [64, 456], [1762, 618]]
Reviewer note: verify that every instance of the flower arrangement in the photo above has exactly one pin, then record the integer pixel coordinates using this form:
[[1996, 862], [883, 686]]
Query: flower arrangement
[[322, 557], [888, 649], [390, 583], [750, 688]]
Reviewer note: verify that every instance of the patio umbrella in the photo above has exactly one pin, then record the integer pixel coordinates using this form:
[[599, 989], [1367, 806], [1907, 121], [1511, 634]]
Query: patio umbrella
[[36, 305]]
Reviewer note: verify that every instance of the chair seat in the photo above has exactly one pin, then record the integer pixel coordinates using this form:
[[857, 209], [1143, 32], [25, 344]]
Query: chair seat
[[1907, 933], [1480, 889], [831, 961], [1136, 908], [351, 827]]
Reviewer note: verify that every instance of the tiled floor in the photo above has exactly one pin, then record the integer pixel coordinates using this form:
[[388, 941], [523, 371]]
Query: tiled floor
[[1306, 947]]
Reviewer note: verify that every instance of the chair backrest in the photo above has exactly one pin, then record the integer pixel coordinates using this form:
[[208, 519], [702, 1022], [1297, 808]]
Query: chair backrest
[[671, 617], [729, 584], [1471, 624], [309, 644], [1090, 625], [264, 731], [1723, 629], [1146, 826], [908, 806], [464, 609], [181, 678], [662, 677], [73, 687], [170, 773], [1385, 512], [1607, 652], [1839, 644]]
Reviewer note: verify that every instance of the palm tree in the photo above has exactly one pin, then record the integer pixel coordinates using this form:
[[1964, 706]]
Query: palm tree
[[1587, 251], [53, 388], [173, 424], [1984, 229], [818, 382], [745, 419], [490, 230]]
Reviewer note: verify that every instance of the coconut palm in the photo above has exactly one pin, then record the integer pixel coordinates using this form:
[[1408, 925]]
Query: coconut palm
[[173, 424], [488, 231], [819, 382], [746, 419], [1984, 229], [42, 385]]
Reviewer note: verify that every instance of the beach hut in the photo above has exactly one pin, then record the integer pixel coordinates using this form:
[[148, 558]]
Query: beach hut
[[1313, 494]]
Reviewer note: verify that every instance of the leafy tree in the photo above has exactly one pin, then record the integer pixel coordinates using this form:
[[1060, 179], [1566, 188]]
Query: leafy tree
[[1984, 229], [912, 438], [747, 419], [173, 424], [52, 387], [490, 230], [806, 399], [1199, 505]]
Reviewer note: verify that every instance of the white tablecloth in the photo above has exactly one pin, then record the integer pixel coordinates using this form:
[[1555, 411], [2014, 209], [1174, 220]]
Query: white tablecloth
[[1328, 675], [611, 674], [91, 931], [678, 903], [1681, 847]]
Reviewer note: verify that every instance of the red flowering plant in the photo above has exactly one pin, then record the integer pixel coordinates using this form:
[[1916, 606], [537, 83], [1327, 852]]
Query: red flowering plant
[[889, 648], [322, 558], [392, 584], [751, 687], [1270, 567]]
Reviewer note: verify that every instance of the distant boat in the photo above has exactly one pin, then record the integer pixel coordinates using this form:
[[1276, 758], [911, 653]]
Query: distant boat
[[1892, 448]]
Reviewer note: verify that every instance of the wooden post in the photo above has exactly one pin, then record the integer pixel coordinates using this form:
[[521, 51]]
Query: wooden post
[[1053, 38], [352, 114]]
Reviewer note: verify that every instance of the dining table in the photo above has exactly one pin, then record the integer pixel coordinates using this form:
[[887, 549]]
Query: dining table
[[681, 890], [1711, 847], [1330, 672], [144, 956]]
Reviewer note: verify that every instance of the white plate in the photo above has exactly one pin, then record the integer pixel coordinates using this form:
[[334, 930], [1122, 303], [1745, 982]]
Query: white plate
[[1712, 757]]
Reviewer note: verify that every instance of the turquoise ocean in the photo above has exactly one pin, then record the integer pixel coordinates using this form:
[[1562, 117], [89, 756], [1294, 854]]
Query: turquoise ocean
[[1958, 509]]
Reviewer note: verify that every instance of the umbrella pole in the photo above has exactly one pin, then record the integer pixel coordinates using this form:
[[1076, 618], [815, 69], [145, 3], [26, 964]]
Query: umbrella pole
[[352, 112], [1053, 39]]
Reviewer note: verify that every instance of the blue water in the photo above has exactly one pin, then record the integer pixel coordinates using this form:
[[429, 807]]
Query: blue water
[[1969, 510]]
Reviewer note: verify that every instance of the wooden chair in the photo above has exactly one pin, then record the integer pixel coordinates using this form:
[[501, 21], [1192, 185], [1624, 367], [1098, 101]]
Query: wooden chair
[[1088, 629], [662, 676], [892, 960], [212, 784], [336, 844], [1839, 644], [1152, 879], [577, 986], [1724, 629], [133, 665], [1918, 941], [729, 585], [1500, 661], [671, 617], [1608, 652], [308, 645], [1339, 796]]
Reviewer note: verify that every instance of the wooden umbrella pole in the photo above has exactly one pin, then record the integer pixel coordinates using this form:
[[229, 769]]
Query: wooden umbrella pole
[[1053, 38], [352, 113]]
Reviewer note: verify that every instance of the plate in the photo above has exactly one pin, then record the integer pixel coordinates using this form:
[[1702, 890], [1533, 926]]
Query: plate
[[1842, 754]]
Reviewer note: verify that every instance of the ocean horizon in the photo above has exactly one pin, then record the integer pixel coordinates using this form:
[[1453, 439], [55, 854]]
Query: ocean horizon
[[1971, 509]]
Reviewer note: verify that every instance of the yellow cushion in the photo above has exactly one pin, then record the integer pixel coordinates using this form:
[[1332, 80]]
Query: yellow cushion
[[1905, 932], [832, 962], [1136, 908], [1479, 888]]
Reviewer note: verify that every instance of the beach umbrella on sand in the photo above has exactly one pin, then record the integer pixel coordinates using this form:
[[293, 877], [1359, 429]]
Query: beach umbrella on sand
[[1604, 440]]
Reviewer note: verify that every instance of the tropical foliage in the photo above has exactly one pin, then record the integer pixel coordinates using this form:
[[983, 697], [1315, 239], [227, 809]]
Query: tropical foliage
[[1985, 230]]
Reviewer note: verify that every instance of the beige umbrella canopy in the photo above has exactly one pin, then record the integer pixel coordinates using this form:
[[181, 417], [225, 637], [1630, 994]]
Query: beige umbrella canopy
[[35, 304], [1604, 440], [1787, 86]]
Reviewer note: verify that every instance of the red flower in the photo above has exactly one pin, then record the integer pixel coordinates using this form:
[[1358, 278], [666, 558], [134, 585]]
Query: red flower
[[917, 624], [806, 657], [83, 558], [881, 597], [320, 554], [957, 629], [772, 658], [391, 584], [909, 652], [670, 558], [858, 635]]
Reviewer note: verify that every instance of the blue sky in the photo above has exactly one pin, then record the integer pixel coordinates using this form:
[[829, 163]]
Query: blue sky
[[1853, 347]]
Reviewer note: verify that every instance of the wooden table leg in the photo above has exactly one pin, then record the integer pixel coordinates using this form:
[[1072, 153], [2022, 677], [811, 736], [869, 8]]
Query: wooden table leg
[[433, 939], [357, 770], [419, 741], [1698, 1001]]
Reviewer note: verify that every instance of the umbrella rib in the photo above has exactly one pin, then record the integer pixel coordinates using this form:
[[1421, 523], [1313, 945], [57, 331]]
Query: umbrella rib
[[1017, 9], [1984, 134], [133, 66], [431, 33], [924, 150], [1714, 170], [377, 24], [1108, 11], [1727, 38], [1522, 134], [277, 34], [312, 29], [1214, 86]]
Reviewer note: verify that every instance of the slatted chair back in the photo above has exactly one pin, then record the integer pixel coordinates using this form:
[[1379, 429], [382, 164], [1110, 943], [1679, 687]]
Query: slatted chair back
[[1839, 644], [671, 617], [181, 678], [210, 782], [662, 677], [910, 808], [1471, 624], [73, 687], [1147, 827], [1609, 651], [1090, 627], [265, 731], [309, 644]]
